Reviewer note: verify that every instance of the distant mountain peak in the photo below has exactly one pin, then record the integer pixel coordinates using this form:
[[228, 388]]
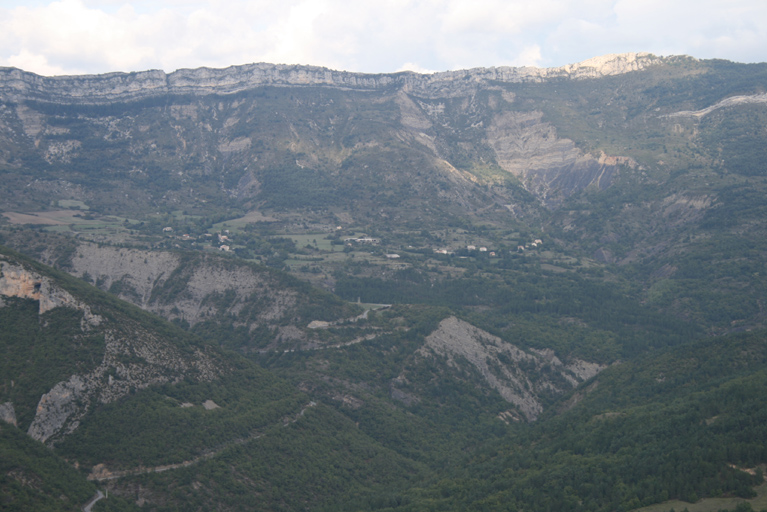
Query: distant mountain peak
[[612, 64]]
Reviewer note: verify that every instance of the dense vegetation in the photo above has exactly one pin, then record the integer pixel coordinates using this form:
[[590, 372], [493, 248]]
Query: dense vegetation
[[679, 425], [32, 477]]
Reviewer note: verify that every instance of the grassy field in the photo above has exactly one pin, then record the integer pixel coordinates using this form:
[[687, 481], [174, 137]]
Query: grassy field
[[316, 240], [63, 218], [41, 218], [241, 222], [711, 504], [73, 204]]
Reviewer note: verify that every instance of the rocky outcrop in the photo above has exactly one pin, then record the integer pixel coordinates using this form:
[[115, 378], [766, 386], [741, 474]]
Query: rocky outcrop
[[134, 359], [550, 167], [201, 290], [135, 356], [58, 406], [18, 281], [680, 209], [136, 270], [8, 413], [520, 377], [18, 85]]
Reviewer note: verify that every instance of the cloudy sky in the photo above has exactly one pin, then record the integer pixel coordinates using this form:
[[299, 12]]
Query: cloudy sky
[[98, 36]]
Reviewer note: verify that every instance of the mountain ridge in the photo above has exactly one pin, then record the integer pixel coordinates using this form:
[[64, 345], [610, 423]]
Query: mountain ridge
[[17, 84]]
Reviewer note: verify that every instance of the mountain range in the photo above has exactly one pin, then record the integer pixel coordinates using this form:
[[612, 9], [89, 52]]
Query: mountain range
[[289, 287]]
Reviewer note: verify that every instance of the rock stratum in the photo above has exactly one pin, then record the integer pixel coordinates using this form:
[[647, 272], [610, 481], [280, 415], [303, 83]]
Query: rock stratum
[[207, 288], [19, 85], [17, 281], [442, 138]]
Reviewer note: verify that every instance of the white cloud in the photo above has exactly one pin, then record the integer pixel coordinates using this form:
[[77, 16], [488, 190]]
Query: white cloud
[[89, 36], [499, 16], [34, 62], [417, 68], [69, 36], [702, 28], [529, 56]]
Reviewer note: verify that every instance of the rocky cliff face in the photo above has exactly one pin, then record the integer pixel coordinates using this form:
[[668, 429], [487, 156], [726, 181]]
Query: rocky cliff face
[[137, 271], [134, 357], [18, 85], [17, 281], [519, 376], [197, 288], [255, 133], [8, 413], [551, 167]]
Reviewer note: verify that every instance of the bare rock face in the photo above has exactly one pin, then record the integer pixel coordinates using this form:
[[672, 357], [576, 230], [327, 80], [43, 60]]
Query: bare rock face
[[18, 85], [137, 276], [56, 407], [584, 370], [153, 361], [139, 271], [8, 413], [518, 376], [17, 281], [552, 168]]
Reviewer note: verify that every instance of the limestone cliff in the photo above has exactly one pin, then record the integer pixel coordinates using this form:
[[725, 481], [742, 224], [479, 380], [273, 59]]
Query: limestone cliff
[[8, 413], [519, 376], [550, 167], [194, 288], [18, 281], [134, 359], [422, 135], [18, 85]]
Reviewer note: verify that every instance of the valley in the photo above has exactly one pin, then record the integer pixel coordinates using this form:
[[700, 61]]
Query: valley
[[497, 289]]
